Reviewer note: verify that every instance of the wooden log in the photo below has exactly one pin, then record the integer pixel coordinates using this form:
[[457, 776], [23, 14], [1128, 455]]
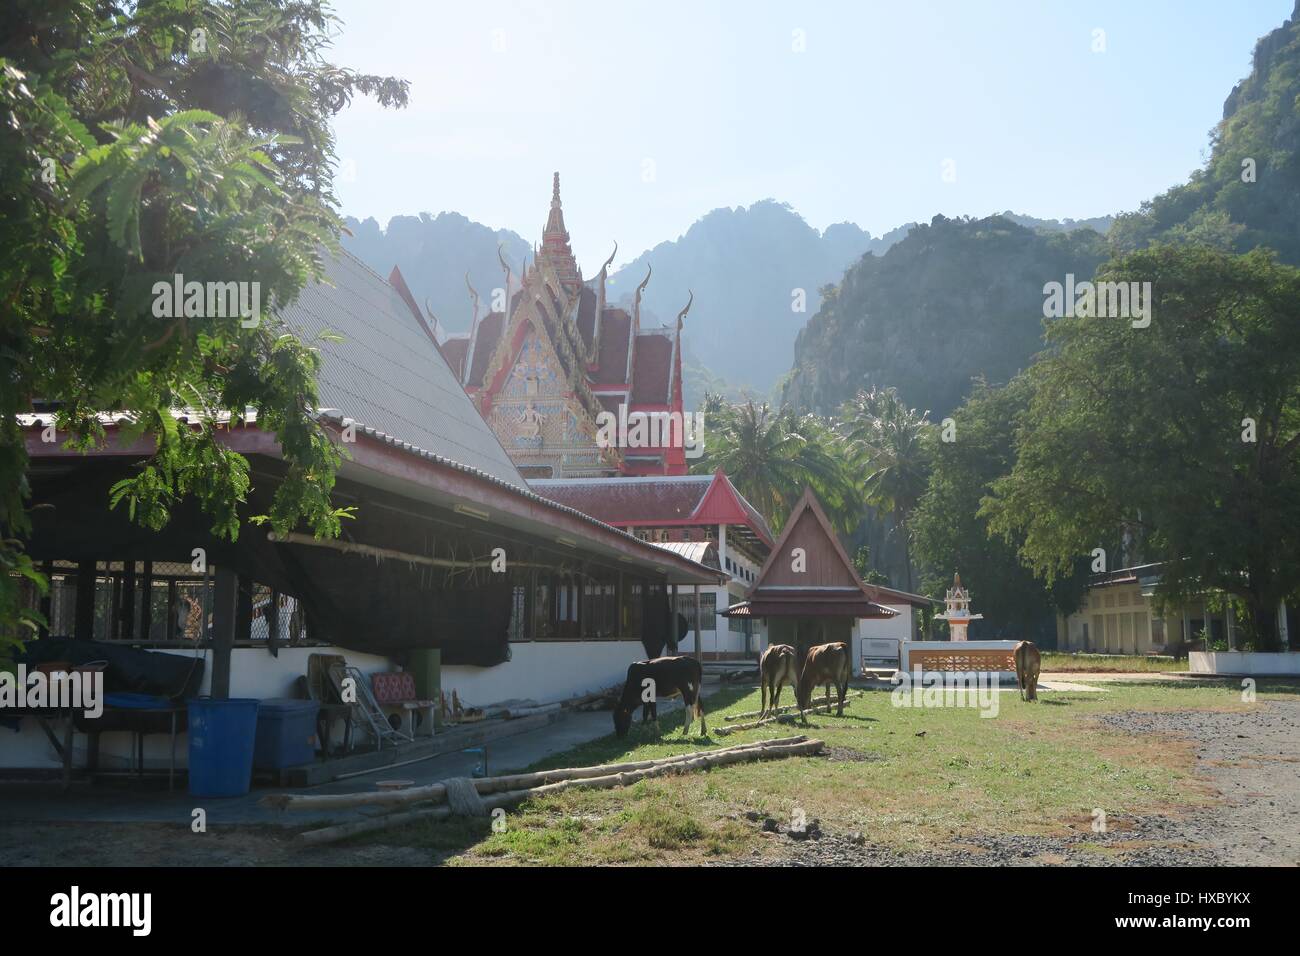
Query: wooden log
[[778, 718], [515, 712], [781, 710], [436, 792], [696, 762]]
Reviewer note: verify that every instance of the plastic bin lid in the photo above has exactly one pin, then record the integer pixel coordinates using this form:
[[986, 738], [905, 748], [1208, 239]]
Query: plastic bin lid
[[285, 705]]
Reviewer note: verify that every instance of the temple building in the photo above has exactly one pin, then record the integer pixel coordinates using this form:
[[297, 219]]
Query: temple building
[[703, 518], [549, 354]]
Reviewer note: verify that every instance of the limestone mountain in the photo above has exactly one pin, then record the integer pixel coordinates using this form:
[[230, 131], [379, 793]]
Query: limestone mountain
[[1248, 192], [434, 253], [756, 272], [954, 300]]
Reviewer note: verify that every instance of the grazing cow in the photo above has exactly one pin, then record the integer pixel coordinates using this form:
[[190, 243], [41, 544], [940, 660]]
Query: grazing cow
[[671, 676], [776, 668], [1028, 663], [825, 664]]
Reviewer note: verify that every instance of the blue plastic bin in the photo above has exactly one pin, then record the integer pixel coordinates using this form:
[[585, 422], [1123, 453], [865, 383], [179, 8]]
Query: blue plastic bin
[[221, 746], [286, 733]]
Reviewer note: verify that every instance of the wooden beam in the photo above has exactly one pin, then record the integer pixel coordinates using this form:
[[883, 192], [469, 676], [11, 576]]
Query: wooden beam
[[224, 600]]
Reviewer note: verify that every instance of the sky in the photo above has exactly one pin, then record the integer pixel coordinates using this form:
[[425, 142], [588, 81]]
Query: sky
[[655, 113]]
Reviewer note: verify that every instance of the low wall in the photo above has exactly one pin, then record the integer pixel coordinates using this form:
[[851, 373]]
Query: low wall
[[1246, 663], [962, 656]]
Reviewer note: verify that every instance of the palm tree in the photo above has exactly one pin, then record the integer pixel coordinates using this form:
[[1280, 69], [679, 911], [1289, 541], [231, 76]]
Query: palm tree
[[771, 456], [885, 443]]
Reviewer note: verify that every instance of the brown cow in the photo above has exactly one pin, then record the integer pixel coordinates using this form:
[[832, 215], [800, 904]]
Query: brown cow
[[1028, 664], [651, 681], [776, 668], [825, 664]]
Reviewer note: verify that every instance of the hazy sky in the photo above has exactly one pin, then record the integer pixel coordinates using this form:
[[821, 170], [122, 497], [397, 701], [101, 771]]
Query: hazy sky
[[656, 112]]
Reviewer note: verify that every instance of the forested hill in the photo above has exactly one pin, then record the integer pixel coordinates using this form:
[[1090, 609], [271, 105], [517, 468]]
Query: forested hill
[[1259, 139], [955, 299]]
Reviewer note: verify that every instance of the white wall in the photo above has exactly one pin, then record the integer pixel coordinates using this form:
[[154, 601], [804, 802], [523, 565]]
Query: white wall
[[544, 671], [893, 629]]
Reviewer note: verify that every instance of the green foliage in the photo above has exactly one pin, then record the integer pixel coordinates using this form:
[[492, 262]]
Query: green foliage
[[885, 443], [951, 535], [772, 456], [1145, 434], [146, 141]]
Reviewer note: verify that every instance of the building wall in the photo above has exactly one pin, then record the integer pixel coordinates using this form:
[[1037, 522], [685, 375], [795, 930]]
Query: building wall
[[543, 671], [1117, 619]]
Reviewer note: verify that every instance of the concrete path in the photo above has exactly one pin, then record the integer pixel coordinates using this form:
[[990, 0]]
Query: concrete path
[[107, 803]]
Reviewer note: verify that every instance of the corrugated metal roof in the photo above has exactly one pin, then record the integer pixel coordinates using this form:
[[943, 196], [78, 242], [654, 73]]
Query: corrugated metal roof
[[388, 374], [697, 551]]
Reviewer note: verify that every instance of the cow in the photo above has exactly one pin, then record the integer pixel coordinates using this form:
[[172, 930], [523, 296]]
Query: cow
[[1028, 664], [776, 668], [651, 681], [825, 664]]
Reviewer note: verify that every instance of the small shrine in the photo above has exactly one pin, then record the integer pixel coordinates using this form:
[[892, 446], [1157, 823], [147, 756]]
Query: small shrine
[[957, 613]]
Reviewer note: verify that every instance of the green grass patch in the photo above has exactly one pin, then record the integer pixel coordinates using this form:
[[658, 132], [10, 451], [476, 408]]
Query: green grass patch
[[1109, 663], [908, 778]]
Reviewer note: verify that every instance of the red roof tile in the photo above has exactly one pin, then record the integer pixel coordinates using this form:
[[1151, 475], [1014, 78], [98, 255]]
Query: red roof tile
[[615, 326], [587, 315], [652, 367], [485, 343], [454, 351]]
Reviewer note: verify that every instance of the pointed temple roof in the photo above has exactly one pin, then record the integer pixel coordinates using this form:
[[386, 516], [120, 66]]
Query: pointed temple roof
[[662, 501], [609, 359], [820, 582]]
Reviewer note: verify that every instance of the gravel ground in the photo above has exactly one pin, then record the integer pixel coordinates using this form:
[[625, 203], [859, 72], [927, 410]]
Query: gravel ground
[[1252, 758]]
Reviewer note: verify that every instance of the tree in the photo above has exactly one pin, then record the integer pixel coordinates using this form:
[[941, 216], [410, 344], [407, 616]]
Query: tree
[[1180, 437], [884, 440], [862, 563], [950, 534], [145, 141], [771, 456]]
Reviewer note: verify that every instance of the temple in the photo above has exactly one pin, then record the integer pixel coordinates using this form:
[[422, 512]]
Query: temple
[[549, 354]]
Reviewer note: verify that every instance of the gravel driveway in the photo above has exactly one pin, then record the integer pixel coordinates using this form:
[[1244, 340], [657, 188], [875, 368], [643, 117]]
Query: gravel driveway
[[1252, 758]]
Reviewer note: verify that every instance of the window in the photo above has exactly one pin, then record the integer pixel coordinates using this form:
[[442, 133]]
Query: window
[[708, 610], [600, 605]]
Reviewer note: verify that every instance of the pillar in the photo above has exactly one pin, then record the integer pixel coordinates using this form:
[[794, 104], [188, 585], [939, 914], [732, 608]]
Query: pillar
[[225, 597]]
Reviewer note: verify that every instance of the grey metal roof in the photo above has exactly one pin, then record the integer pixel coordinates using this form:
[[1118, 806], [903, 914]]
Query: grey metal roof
[[387, 373]]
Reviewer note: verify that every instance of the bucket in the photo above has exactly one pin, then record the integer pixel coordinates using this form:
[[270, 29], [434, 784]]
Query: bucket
[[222, 733]]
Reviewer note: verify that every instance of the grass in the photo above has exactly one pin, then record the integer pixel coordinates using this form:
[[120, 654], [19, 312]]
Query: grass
[[1108, 663], [909, 778]]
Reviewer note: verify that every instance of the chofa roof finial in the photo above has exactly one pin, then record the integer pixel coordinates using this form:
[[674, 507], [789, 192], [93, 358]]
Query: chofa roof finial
[[682, 314]]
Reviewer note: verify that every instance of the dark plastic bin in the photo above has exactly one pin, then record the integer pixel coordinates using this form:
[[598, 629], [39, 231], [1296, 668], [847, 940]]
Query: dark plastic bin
[[221, 746], [286, 733]]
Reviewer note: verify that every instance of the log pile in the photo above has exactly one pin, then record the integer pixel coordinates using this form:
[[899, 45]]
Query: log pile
[[507, 791]]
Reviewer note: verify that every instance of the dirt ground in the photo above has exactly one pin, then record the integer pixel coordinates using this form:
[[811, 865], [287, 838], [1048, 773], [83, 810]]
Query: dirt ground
[[1252, 758]]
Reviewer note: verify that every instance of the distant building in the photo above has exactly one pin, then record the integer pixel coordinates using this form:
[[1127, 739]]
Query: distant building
[[1119, 615], [548, 354]]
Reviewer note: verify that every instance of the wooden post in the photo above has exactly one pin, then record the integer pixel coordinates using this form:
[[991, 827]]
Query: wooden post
[[699, 635], [127, 604], [146, 601], [84, 626], [224, 600]]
